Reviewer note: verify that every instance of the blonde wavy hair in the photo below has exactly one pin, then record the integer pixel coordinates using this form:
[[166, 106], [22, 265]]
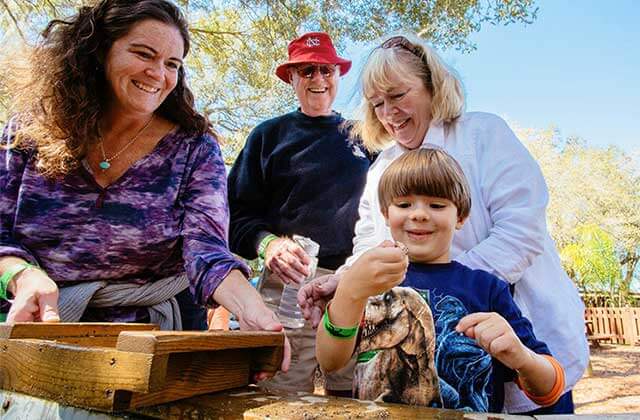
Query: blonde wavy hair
[[415, 59]]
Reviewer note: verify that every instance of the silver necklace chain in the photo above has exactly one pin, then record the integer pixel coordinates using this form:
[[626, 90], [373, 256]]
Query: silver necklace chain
[[126, 146]]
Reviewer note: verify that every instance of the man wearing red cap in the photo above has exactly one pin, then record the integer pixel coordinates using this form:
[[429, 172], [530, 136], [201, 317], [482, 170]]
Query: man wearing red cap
[[299, 173]]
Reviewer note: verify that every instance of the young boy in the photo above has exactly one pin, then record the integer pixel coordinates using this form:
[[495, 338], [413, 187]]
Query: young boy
[[450, 336]]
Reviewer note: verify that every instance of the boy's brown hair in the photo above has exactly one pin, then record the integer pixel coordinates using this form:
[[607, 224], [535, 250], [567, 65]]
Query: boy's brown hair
[[431, 172]]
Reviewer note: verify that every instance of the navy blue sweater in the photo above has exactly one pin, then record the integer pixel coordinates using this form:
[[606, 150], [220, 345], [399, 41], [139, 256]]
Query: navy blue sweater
[[297, 175]]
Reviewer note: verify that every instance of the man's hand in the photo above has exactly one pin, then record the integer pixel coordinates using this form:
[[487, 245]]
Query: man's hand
[[313, 297], [36, 297], [288, 260]]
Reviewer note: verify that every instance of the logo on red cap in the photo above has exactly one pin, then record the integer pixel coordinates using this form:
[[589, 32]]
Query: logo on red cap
[[313, 42]]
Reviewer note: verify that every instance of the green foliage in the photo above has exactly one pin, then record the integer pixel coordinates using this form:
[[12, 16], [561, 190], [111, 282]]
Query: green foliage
[[592, 260], [593, 212]]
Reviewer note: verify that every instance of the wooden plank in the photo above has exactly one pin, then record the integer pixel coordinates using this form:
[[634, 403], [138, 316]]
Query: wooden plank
[[167, 342], [71, 375], [89, 334], [197, 373], [201, 362], [266, 359]]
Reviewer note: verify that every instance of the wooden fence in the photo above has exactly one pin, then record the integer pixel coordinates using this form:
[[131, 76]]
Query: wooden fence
[[613, 325]]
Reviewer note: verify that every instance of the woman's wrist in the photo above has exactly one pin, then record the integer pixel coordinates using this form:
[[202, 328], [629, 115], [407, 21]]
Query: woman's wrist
[[11, 272], [236, 294]]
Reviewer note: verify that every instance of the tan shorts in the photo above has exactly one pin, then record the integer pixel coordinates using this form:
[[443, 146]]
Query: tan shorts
[[303, 348]]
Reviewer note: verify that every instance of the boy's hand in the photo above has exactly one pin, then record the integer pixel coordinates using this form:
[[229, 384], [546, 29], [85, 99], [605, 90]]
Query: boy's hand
[[376, 271], [494, 334]]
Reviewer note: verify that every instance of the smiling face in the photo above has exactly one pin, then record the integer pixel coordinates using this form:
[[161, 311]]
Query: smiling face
[[142, 67], [403, 108], [425, 225], [317, 93]]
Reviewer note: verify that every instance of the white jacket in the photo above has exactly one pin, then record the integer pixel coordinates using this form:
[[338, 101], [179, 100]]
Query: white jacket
[[505, 234]]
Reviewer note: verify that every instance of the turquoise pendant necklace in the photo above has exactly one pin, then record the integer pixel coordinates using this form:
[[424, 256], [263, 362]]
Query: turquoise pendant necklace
[[106, 161]]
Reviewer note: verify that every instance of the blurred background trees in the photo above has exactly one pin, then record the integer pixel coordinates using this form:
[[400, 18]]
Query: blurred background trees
[[593, 213], [237, 44]]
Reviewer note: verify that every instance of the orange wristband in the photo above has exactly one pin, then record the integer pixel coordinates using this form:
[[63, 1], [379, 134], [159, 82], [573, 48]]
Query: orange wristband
[[556, 391]]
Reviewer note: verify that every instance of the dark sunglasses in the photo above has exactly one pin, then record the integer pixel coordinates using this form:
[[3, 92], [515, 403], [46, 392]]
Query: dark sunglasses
[[309, 70], [402, 43]]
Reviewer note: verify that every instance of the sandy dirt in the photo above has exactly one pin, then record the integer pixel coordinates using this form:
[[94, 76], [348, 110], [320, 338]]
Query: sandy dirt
[[614, 385]]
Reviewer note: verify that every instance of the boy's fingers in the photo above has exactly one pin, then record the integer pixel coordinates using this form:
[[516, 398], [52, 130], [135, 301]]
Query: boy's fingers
[[470, 332], [394, 252], [472, 320], [500, 344], [387, 244], [487, 334]]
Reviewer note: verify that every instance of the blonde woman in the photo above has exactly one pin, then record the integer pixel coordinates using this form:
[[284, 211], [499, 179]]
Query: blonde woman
[[412, 100]]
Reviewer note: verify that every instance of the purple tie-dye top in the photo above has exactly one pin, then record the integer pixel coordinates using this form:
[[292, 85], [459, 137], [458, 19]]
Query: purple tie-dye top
[[168, 213]]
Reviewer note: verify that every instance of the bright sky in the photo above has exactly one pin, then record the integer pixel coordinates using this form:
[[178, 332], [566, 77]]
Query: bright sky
[[576, 67]]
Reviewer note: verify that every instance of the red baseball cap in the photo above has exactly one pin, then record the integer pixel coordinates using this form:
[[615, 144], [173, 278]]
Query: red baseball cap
[[313, 47]]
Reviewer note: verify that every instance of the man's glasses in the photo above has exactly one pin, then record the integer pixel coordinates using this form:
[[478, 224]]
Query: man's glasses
[[402, 43], [308, 71]]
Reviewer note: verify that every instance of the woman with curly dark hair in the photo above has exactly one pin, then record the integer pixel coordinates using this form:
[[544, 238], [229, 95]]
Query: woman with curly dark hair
[[113, 188]]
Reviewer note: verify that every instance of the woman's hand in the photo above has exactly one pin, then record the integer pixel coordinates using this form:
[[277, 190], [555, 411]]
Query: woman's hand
[[236, 294], [313, 297], [287, 259], [376, 271], [35, 297], [260, 318]]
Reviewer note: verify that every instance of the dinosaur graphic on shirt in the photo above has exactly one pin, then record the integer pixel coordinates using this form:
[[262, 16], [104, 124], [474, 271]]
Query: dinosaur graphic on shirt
[[399, 326]]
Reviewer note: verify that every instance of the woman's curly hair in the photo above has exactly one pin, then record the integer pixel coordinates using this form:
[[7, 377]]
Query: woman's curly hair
[[62, 93]]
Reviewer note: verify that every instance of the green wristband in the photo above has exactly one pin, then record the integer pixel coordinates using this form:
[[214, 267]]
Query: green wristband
[[264, 243], [10, 274], [366, 356], [337, 332]]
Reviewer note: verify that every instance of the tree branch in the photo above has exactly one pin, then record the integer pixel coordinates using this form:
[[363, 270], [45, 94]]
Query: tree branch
[[212, 32]]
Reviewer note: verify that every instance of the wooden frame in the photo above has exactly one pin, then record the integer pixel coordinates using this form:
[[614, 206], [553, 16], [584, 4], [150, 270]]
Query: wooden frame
[[113, 367]]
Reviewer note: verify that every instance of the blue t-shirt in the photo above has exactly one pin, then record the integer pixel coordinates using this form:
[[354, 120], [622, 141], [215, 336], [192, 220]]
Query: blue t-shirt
[[467, 376]]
